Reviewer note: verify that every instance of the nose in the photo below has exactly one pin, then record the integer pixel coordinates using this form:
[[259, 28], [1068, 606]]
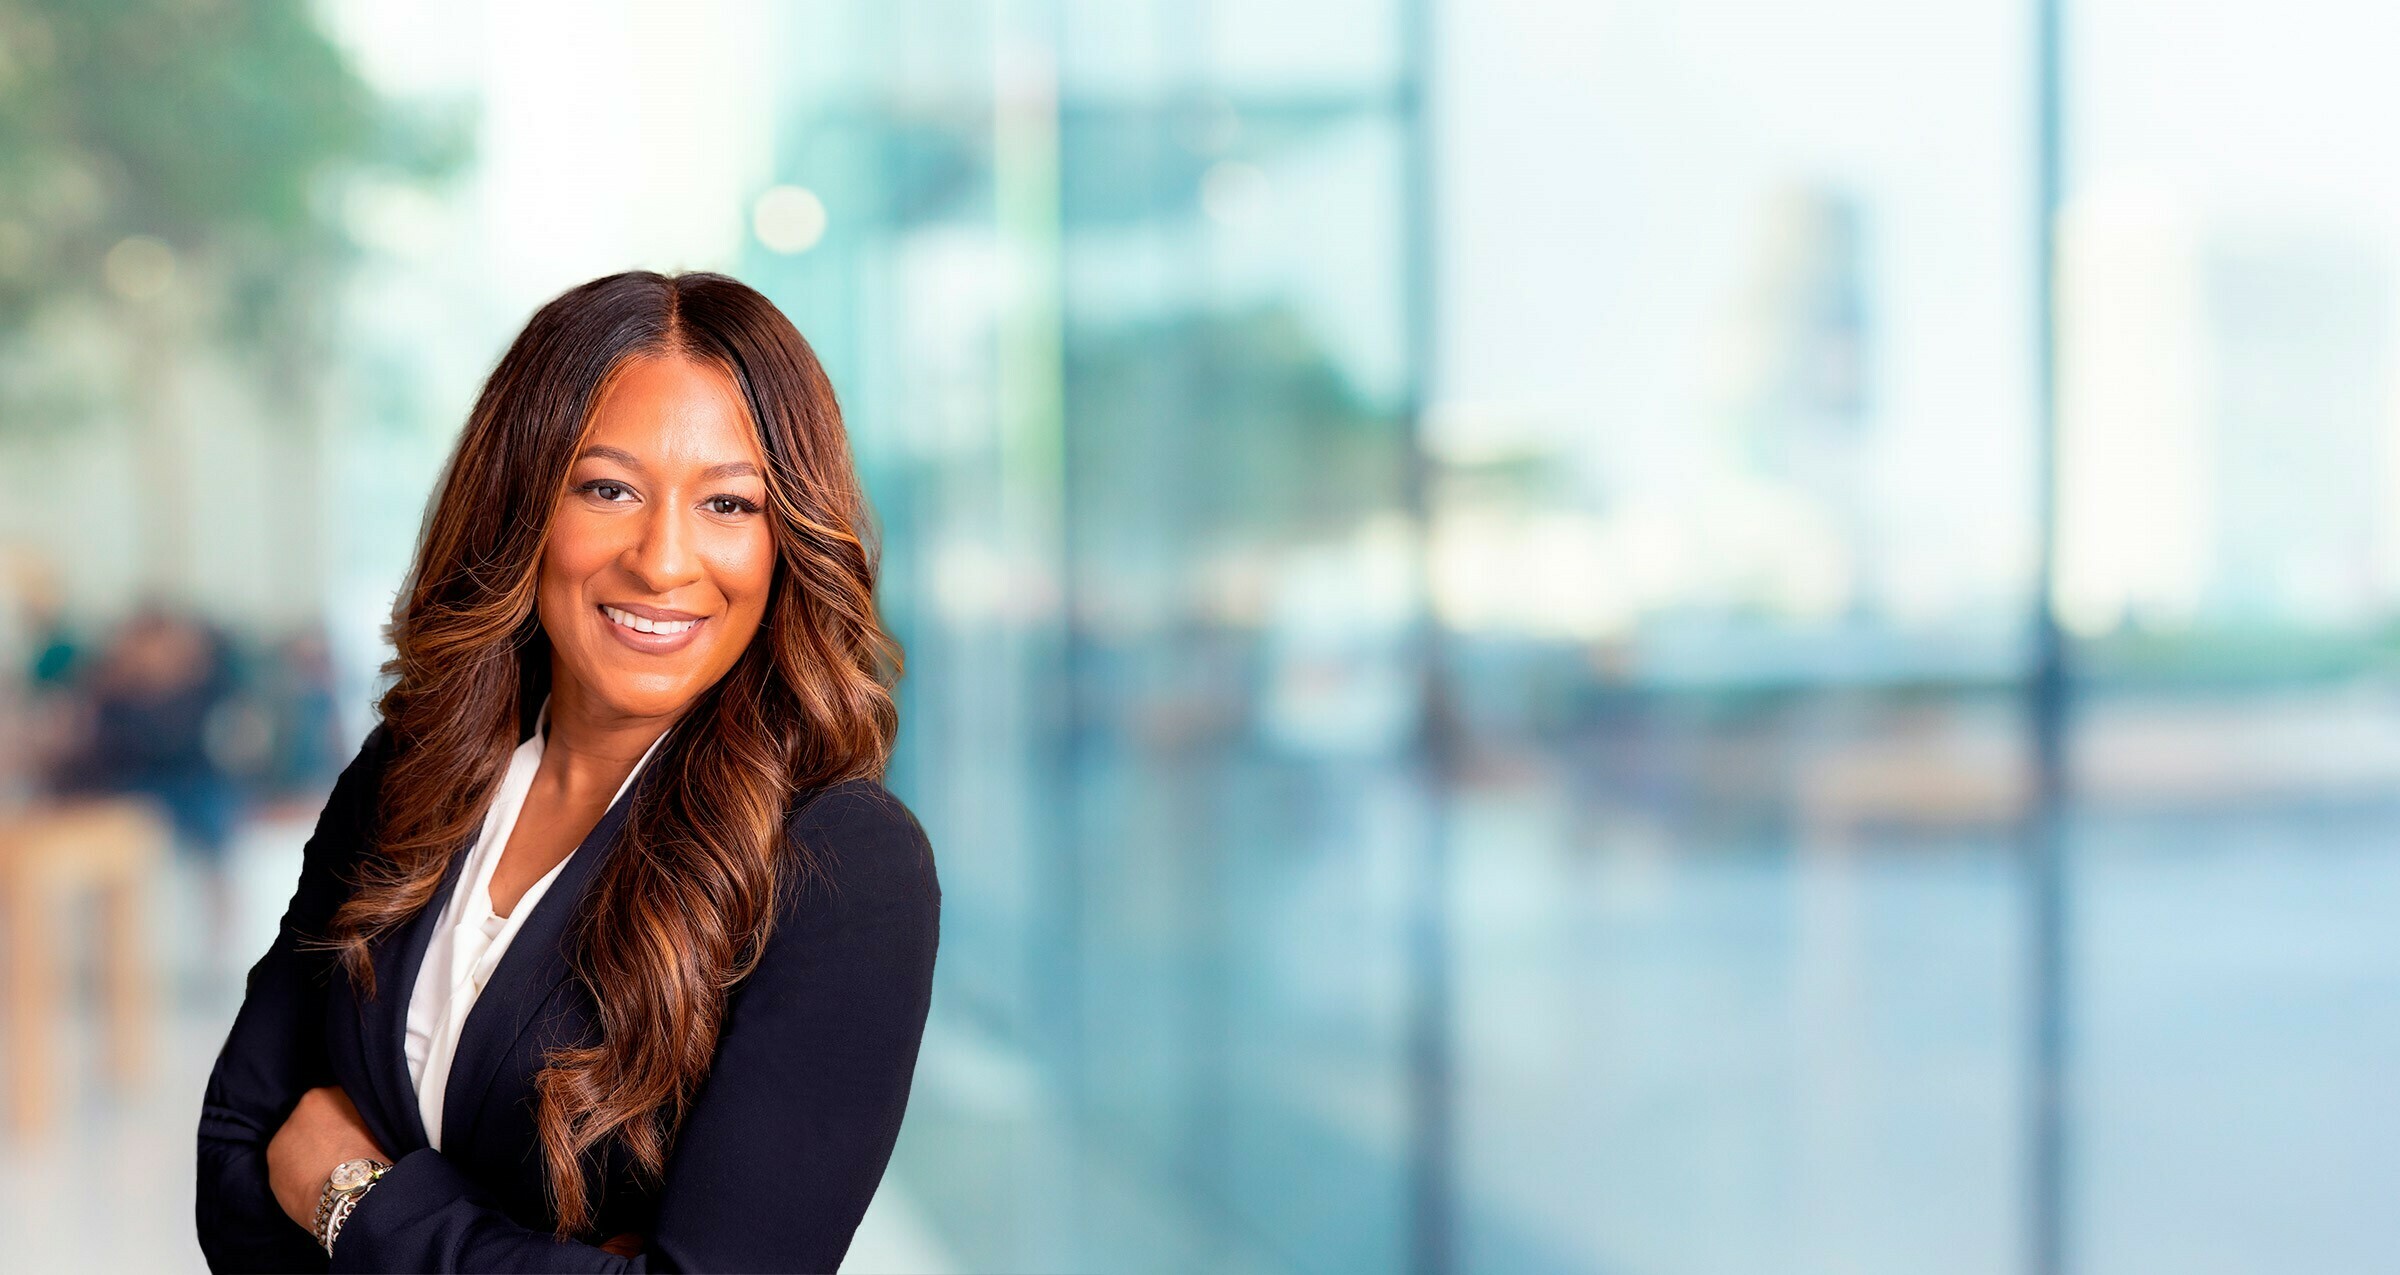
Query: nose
[[662, 559]]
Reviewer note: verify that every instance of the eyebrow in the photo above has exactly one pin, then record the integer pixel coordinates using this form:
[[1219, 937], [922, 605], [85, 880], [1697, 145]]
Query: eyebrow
[[727, 469]]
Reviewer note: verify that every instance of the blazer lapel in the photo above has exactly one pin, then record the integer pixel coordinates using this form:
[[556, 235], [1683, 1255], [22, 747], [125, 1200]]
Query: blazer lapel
[[383, 1023], [538, 959]]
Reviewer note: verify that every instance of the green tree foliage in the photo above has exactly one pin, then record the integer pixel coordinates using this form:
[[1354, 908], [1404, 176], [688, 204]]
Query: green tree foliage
[[210, 126]]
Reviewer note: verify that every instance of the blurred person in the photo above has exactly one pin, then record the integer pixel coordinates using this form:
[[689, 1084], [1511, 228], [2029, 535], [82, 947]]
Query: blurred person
[[39, 703], [610, 929], [304, 749], [141, 719], [55, 652]]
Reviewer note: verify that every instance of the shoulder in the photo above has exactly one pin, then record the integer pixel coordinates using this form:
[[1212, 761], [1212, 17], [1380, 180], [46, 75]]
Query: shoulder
[[866, 842], [373, 754], [357, 789], [859, 901], [343, 838]]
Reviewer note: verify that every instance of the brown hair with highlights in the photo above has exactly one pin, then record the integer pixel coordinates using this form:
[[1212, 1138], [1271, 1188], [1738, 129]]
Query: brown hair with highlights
[[682, 907]]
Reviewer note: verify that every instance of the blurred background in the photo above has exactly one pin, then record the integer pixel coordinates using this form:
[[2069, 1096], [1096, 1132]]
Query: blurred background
[[1543, 635]]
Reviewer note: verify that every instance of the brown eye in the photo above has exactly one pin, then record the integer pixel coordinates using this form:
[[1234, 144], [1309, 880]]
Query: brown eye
[[730, 505]]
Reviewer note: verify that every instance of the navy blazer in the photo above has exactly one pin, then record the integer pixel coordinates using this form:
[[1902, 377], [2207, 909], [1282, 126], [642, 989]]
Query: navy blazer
[[775, 1163]]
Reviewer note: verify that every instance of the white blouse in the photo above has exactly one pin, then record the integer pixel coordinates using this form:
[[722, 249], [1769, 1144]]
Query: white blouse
[[470, 938]]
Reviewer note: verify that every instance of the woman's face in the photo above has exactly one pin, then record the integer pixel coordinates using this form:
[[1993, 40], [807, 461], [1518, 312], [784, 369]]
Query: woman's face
[[655, 575]]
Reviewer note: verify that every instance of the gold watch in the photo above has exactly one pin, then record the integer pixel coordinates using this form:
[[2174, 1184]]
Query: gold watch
[[349, 1182]]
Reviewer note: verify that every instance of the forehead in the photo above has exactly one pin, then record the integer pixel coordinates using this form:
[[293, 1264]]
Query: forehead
[[672, 412]]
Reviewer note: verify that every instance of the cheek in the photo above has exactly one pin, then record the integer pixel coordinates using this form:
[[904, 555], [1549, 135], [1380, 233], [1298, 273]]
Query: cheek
[[579, 546], [745, 567], [576, 550]]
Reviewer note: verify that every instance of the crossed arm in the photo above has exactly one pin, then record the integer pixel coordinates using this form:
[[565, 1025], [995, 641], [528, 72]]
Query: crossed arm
[[275, 1052], [777, 1160]]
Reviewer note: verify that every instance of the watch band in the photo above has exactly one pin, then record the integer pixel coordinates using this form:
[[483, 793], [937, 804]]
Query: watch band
[[341, 1214], [344, 1188]]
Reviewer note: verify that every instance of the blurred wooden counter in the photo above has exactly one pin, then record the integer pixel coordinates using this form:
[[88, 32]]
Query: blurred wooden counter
[[51, 855]]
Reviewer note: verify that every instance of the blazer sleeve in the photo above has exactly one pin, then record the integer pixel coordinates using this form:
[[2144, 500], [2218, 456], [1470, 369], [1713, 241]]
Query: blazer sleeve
[[276, 1049], [789, 1135]]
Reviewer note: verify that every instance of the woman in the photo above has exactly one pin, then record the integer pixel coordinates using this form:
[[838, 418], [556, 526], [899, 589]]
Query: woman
[[609, 951]]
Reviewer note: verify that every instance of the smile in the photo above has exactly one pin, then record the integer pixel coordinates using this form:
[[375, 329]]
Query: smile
[[652, 635], [643, 623]]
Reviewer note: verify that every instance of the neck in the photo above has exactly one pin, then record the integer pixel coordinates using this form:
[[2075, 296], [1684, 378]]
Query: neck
[[591, 747]]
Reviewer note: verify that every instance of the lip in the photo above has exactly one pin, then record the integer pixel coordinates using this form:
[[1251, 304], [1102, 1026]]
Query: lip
[[653, 613], [651, 643]]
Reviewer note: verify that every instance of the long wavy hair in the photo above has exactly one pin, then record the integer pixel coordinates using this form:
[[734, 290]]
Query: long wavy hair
[[682, 908]]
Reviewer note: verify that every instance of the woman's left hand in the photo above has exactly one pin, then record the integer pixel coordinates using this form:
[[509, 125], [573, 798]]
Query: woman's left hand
[[323, 1130]]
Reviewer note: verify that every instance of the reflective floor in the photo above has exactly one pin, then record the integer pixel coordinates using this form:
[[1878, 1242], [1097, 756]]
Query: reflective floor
[[1822, 1043]]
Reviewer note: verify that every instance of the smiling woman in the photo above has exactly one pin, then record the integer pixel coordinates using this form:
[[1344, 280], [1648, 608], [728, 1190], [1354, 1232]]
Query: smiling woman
[[610, 951]]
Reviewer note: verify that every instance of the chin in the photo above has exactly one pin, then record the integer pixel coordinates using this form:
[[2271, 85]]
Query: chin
[[641, 693], [659, 701]]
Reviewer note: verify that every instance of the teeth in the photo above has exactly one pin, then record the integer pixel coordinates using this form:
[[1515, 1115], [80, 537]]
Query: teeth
[[632, 621]]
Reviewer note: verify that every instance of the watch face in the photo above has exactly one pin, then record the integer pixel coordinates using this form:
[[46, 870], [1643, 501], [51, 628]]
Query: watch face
[[352, 1173]]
